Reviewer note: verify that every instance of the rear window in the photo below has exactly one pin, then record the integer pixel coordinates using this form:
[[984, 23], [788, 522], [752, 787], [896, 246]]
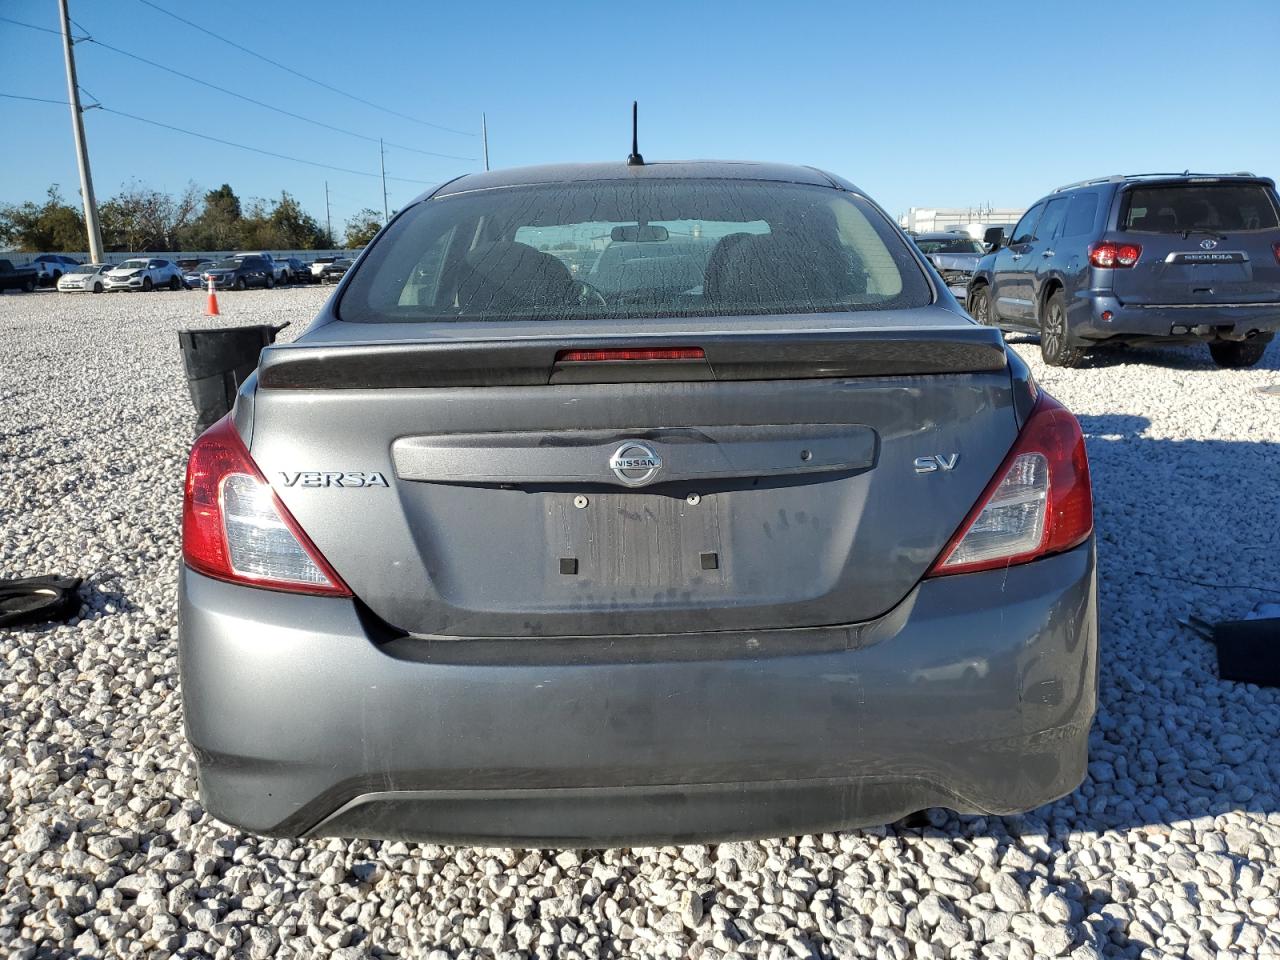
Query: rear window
[[1178, 208], [631, 249]]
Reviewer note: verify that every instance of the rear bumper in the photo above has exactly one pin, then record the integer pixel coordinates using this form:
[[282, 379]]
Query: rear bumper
[[1199, 322], [976, 693]]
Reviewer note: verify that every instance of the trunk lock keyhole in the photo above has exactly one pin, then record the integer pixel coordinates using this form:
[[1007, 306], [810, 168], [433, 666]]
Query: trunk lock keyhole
[[580, 501], [806, 455]]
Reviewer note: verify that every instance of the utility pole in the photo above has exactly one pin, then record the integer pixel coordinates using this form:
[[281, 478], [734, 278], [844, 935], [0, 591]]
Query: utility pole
[[484, 136], [82, 151], [328, 223], [382, 158]]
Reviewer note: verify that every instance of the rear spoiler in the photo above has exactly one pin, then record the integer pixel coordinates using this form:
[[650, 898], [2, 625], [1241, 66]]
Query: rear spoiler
[[724, 356]]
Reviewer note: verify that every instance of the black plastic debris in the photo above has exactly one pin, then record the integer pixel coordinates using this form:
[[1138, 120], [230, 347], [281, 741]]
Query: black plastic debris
[[1249, 649], [38, 599], [218, 361]]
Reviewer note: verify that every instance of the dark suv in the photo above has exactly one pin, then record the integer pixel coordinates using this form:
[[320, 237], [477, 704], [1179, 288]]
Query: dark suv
[[1174, 258], [241, 272]]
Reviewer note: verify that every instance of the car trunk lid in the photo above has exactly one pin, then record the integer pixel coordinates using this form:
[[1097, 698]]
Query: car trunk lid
[[776, 479]]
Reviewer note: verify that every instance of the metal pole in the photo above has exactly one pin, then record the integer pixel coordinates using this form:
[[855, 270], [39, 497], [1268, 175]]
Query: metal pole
[[82, 151], [382, 158], [328, 222], [484, 135]]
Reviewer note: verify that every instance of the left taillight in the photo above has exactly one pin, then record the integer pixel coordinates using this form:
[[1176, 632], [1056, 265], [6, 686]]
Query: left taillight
[[235, 528], [1040, 501]]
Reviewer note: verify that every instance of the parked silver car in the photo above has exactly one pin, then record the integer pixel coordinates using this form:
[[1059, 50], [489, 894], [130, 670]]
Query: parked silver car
[[193, 269], [495, 554], [145, 274], [87, 278], [954, 255], [51, 266]]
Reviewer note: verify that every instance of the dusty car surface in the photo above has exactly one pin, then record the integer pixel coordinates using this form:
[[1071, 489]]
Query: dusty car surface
[[759, 535]]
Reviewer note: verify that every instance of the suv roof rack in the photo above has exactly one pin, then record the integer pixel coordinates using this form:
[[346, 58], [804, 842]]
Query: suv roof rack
[[1123, 177]]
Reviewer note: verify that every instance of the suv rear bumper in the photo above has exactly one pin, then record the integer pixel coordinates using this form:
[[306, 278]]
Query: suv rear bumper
[[977, 693], [1215, 321]]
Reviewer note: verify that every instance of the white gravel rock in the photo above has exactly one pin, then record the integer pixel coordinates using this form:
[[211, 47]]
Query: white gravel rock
[[1171, 847]]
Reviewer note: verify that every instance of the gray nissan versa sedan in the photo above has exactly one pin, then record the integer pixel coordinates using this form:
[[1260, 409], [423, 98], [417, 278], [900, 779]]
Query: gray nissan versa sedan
[[614, 504]]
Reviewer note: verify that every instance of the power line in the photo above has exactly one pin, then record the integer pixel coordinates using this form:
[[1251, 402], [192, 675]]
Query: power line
[[296, 73], [32, 26], [240, 96], [228, 143], [14, 96], [268, 106], [245, 146]]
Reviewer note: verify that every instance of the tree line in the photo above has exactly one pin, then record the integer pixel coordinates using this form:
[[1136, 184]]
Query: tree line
[[141, 218]]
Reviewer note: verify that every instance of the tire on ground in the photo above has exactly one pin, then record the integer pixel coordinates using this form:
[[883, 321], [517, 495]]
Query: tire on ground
[[1054, 346]]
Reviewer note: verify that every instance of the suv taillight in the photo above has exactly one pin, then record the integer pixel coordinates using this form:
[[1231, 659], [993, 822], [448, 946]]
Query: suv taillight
[[1039, 502], [236, 529], [1111, 255], [1275, 248]]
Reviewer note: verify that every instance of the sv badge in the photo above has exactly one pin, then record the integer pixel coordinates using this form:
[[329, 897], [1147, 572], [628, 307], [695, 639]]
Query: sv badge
[[935, 462]]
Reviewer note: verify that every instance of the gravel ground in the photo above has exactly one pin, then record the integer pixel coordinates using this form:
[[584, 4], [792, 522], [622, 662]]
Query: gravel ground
[[1170, 848]]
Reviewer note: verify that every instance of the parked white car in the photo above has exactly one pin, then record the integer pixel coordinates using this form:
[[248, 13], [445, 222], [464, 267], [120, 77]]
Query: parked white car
[[87, 278], [144, 273], [317, 267]]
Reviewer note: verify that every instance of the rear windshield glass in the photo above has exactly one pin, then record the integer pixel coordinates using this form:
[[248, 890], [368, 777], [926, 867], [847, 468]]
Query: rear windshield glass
[[950, 245], [627, 249], [1178, 208]]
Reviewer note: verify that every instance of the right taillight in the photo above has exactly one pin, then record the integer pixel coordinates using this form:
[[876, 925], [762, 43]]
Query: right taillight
[[236, 529], [1039, 502], [1275, 248], [1110, 255]]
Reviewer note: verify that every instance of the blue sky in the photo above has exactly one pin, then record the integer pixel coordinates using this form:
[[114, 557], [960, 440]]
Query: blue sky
[[919, 103]]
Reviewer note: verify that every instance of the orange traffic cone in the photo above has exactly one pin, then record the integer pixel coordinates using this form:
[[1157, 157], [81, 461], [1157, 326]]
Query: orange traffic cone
[[212, 309]]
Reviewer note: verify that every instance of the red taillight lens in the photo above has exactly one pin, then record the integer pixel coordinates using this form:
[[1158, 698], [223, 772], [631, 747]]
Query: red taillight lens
[[656, 353], [1039, 503], [1275, 248], [1127, 254], [235, 528], [1110, 255]]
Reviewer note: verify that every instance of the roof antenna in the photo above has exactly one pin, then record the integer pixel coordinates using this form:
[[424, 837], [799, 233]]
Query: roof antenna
[[635, 160]]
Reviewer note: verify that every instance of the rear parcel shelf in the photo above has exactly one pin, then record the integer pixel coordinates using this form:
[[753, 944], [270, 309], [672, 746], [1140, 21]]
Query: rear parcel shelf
[[963, 348]]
